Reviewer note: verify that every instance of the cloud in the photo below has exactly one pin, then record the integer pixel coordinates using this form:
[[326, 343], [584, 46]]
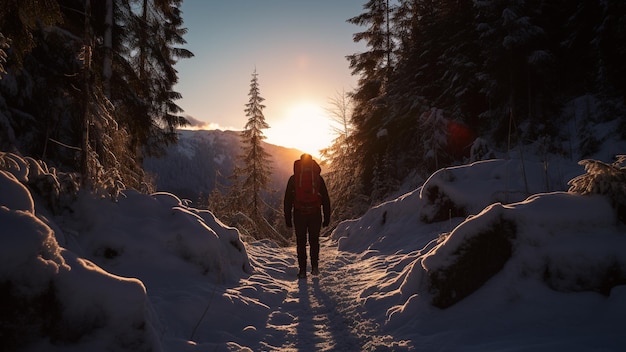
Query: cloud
[[196, 124]]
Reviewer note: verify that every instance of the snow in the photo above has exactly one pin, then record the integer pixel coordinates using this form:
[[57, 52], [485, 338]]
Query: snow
[[152, 273], [15, 195]]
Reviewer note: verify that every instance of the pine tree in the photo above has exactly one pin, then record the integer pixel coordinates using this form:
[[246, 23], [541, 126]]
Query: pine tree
[[255, 169], [19, 19], [149, 54], [4, 44], [605, 179], [104, 143], [511, 74], [375, 67], [434, 127], [377, 63], [103, 104]]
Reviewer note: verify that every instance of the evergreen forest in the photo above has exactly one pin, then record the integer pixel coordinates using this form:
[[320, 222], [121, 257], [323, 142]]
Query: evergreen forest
[[446, 82], [88, 86]]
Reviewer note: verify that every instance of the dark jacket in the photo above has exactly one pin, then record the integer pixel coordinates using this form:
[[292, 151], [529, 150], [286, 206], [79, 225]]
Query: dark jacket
[[290, 195]]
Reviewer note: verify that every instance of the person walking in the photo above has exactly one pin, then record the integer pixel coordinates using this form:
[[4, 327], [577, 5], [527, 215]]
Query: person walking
[[306, 197]]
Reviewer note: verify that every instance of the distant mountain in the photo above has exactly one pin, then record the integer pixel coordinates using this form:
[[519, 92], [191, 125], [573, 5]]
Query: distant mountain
[[202, 159]]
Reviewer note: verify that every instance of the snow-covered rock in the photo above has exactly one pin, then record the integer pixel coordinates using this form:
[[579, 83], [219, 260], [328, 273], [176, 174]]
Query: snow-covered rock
[[554, 238], [468, 189]]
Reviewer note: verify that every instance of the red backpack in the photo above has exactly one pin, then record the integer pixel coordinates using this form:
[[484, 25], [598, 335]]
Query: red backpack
[[307, 182]]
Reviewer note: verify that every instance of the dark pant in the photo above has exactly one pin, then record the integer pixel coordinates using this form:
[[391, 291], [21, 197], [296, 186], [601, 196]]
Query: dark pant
[[311, 223]]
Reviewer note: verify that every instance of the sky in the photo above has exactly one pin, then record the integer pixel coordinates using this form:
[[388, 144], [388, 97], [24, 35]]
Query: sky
[[298, 49]]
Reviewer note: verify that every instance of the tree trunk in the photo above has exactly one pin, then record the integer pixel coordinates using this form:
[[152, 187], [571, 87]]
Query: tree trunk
[[85, 170], [107, 69]]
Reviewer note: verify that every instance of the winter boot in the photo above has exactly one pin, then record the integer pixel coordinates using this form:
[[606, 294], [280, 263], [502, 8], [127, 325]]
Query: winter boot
[[302, 274]]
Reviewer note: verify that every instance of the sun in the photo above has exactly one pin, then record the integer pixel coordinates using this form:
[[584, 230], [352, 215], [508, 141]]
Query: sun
[[305, 126]]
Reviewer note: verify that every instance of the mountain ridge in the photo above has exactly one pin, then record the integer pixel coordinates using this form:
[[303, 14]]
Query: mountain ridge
[[204, 159]]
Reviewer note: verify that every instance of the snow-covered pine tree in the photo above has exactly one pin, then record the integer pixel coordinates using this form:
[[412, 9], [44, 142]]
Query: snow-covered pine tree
[[254, 168], [149, 55], [4, 44], [512, 74], [57, 85], [19, 19], [434, 132], [604, 179], [375, 67]]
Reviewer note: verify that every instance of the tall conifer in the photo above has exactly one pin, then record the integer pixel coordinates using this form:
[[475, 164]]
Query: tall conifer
[[256, 165]]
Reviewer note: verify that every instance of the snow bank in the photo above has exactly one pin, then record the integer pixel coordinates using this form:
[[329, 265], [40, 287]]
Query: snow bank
[[382, 226], [54, 190], [569, 242], [51, 299], [139, 235], [468, 189], [15, 195], [448, 196], [92, 294], [417, 221], [552, 257]]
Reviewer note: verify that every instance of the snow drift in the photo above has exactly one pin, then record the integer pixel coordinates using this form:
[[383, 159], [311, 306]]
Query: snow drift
[[553, 238], [48, 291], [148, 272], [549, 257], [55, 293]]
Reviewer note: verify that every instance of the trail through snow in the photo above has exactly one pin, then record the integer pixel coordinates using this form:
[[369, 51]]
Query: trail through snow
[[148, 272], [319, 313]]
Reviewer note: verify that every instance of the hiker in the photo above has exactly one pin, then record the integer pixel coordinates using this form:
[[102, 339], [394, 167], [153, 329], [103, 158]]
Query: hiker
[[307, 195]]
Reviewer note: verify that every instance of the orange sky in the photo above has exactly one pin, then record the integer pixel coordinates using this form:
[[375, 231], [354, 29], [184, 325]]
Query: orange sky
[[298, 49]]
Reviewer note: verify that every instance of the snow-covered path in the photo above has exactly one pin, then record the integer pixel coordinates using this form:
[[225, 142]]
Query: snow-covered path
[[320, 313], [151, 273], [308, 320]]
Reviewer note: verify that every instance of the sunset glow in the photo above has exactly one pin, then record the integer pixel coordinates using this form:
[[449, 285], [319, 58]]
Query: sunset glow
[[299, 50], [304, 126]]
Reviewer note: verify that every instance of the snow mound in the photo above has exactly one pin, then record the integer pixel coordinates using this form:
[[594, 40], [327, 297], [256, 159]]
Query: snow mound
[[51, 298], [565, 241], [554, 238], [29, 252], [385, 227], [126, 237], [15, 195], [55, 190], [547, 272], [468, 189], [90, 292]]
